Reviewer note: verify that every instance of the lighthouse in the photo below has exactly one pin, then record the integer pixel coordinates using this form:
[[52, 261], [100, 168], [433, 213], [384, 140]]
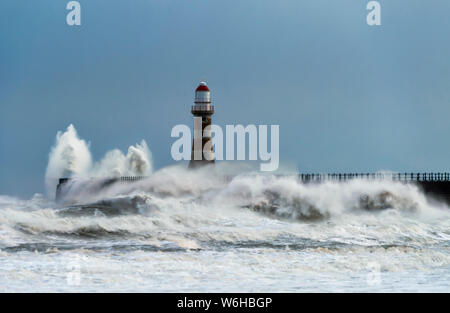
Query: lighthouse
[[202, 148]]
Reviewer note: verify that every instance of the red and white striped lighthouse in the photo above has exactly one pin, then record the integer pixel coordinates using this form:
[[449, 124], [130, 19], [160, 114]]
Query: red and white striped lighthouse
[[202, 149]]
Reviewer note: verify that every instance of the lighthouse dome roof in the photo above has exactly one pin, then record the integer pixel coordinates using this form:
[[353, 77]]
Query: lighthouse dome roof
[[202, 87]]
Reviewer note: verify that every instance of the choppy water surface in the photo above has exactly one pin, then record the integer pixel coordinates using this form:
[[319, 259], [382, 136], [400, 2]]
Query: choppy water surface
[[199, 231]]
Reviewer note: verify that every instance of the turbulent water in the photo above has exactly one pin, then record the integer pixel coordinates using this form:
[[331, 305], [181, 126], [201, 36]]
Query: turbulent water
[[202, 231], [210, 231]]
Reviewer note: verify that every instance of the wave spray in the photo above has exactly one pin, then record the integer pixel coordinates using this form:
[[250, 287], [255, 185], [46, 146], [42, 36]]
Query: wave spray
[[71, 157]]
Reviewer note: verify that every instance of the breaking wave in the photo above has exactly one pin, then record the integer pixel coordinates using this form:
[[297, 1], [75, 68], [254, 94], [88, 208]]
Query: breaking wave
[[71, 157], [207, 207]]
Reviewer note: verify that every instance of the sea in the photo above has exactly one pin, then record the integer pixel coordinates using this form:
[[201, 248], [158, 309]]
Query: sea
[[204, 231]]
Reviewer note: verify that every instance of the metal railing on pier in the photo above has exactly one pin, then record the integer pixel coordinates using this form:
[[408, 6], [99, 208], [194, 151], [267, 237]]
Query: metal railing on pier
[[402, 177], [131, 178]]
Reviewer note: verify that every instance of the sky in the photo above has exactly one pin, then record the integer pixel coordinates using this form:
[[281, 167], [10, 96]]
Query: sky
[[348, 97]]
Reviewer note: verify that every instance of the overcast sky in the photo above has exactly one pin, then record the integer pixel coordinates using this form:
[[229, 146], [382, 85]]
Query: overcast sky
[[348, 97]]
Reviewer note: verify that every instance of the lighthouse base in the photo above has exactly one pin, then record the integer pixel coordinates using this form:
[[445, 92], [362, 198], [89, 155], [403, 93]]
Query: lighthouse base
[[200, 163]]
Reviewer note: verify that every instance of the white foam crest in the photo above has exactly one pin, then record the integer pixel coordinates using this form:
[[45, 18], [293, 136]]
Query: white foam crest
[[172, 181], [137, 162], [295, 199], [71, 157]]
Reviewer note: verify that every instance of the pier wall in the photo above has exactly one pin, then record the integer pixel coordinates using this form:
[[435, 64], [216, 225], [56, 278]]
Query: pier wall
[[435, 185]]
